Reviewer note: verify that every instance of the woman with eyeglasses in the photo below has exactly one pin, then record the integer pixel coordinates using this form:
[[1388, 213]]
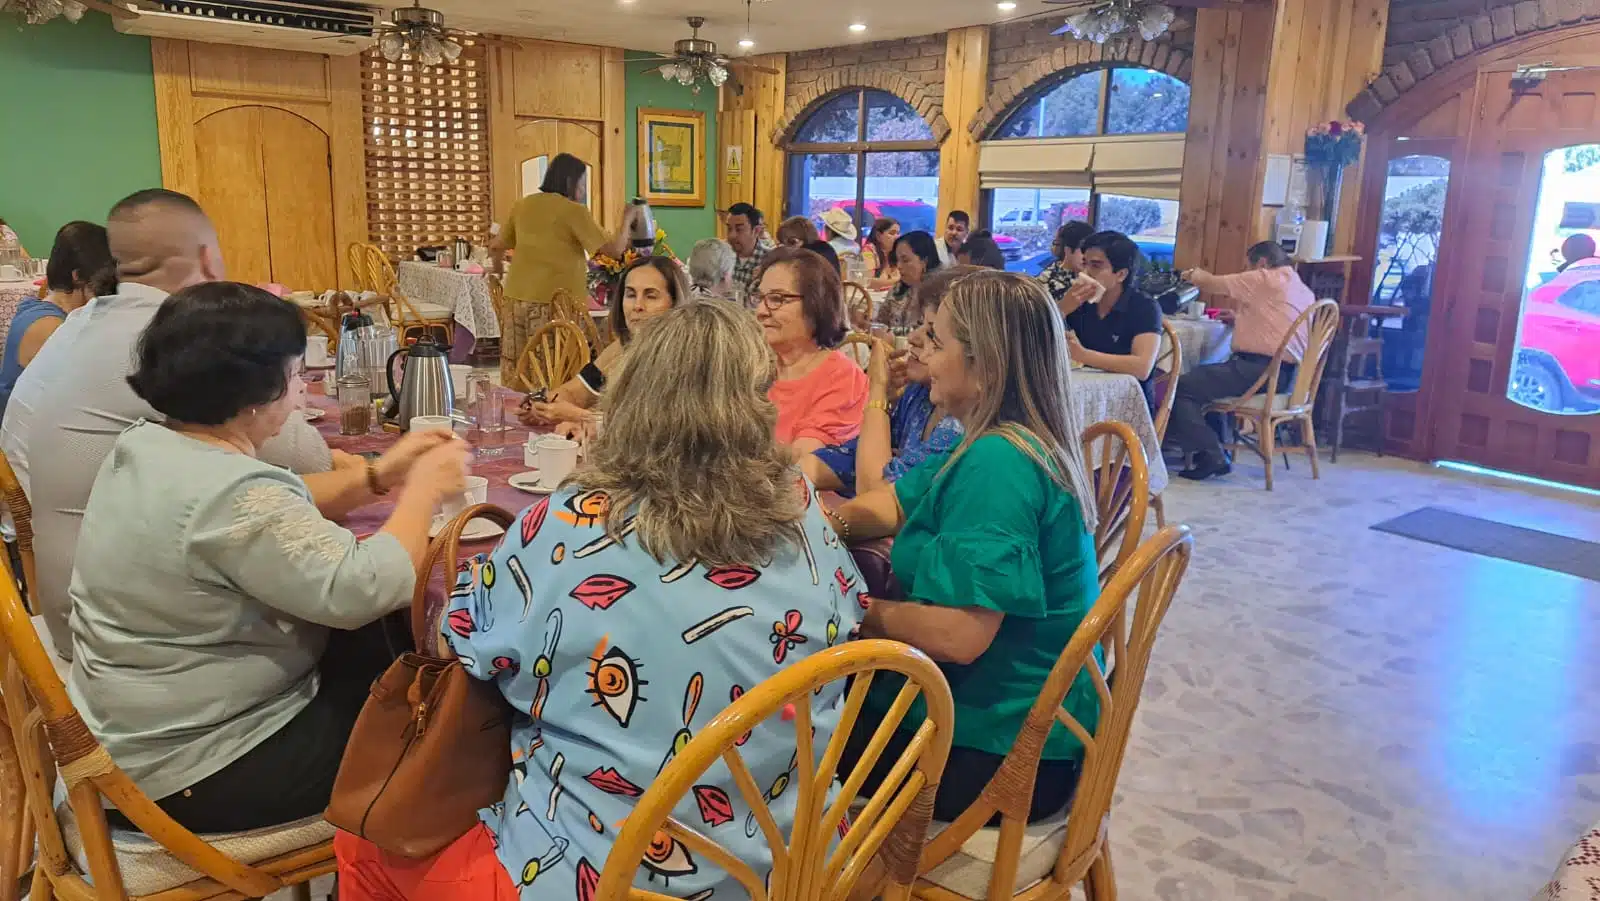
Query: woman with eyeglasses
[[820, 393]]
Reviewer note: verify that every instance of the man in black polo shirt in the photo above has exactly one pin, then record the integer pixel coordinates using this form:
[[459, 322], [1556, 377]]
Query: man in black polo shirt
[[1122, 331]]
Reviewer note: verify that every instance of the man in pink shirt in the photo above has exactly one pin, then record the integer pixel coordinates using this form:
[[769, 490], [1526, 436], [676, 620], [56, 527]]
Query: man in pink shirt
[[1267, 297]]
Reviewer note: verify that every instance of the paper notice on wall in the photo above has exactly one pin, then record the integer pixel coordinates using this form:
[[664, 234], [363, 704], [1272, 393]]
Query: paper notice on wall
[[733, 164]]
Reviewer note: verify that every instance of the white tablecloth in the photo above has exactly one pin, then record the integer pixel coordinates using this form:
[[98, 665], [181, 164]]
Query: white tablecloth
[[1578, 877], [465, 294], [1204, 341], [1107, 397], [13, 293]]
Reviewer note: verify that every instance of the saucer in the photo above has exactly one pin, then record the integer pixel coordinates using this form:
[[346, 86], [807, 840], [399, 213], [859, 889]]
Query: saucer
[[314, 413], [476, 530], [529, 482]]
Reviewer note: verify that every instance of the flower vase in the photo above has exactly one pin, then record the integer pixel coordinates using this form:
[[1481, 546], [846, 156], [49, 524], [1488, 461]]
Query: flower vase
[[1323, 180]]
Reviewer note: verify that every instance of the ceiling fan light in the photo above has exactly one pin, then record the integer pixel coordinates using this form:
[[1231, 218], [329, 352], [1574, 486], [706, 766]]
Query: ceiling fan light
[[718, 75], [746, 43], [392, 46], [452, 50]]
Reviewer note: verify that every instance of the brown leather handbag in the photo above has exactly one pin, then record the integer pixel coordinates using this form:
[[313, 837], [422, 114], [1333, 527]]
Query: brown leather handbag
[[432, 744]]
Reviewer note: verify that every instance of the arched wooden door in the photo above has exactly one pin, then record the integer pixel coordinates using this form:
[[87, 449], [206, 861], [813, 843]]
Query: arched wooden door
[[266, 181], [1514, 325], [539, 141]]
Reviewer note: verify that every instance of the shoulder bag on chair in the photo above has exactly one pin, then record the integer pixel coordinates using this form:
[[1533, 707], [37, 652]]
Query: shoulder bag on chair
[[432, 744]]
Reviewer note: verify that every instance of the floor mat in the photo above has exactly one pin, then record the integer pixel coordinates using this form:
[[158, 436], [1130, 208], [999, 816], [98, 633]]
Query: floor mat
[[1496, 539]]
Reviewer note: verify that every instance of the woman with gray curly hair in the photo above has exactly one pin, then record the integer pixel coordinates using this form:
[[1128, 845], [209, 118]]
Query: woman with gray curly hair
[[711, 270]]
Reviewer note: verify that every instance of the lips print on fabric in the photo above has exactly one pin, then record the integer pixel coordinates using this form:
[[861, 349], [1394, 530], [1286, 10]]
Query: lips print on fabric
[[612, 782], [588, 880], [600, 591], [533, 520], [732, 577], [715, 806], [460, 622]]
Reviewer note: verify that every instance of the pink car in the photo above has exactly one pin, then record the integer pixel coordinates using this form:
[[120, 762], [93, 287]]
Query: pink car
[[1557, 367]]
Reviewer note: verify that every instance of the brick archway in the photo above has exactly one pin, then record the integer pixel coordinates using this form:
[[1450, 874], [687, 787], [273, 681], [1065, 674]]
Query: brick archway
[[1492, 31], [882, 78], [1069, 59]]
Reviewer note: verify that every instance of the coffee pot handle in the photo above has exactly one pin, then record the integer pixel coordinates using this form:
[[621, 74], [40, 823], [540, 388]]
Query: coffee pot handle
[[388, 372]]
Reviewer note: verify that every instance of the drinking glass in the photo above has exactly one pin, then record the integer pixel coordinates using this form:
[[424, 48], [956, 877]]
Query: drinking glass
[[488, 414]]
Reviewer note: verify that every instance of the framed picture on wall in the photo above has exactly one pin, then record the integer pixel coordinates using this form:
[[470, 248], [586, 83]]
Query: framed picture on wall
[[672, 161]]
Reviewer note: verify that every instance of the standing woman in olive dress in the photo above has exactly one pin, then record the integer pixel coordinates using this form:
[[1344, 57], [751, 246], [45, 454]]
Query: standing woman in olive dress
[[553, 234]]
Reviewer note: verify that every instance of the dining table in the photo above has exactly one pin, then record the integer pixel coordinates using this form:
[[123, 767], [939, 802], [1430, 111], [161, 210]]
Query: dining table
[[12, 293], [1204, 341], [1113, 397], [466, 294]]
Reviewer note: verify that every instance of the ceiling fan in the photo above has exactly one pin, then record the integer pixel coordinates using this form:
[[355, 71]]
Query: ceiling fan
[[1103, 20], [694, 60], [420, 32]]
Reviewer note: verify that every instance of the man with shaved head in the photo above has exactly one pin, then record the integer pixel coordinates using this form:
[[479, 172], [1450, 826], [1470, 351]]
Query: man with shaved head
[[73, 400]]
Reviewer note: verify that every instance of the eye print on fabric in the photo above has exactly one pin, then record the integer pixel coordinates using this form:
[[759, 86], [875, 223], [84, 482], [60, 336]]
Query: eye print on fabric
[[585, 510], [786, 636], [667, 857], [543, 863], [614, 682], [691, 702], [600, 591], [544, 663], [714, 622]]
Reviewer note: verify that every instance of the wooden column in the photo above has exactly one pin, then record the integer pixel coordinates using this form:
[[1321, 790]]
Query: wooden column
[[748, 119], [966, 85]]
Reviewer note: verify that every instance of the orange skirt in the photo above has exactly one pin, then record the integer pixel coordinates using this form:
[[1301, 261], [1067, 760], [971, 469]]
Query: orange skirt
[[468, 870]]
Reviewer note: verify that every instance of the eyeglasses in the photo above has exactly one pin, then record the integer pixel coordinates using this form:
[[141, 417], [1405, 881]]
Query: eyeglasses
[[773, 300]]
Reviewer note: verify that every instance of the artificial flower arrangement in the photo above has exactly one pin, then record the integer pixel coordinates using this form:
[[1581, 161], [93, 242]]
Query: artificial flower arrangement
[[603, 268], [1334, 143]]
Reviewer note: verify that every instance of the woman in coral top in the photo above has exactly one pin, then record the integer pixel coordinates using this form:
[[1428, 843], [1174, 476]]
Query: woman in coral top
[[820, 393]]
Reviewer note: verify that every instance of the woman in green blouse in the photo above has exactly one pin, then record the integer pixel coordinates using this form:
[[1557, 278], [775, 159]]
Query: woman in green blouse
[[994, 550]]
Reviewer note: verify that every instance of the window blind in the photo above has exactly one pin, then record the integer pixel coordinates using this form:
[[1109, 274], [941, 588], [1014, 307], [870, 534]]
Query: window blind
[[427, 151]]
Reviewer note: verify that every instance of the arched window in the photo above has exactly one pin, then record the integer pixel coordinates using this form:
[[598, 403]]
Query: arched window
[[869, 153], [1116, 101]]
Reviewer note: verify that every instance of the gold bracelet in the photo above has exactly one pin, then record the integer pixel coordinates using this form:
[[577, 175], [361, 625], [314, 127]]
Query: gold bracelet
[[844, 527], [879, 405], [373, 484]]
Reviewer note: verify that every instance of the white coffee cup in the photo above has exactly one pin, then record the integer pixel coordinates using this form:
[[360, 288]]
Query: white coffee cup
[[10, 273], [317, 352], [556, 458], [477, 492], [431, 423], [458, 379]]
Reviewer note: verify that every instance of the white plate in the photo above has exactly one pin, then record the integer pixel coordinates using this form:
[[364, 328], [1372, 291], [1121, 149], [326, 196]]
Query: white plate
[[477, 530], [314, 413], [529, 482]]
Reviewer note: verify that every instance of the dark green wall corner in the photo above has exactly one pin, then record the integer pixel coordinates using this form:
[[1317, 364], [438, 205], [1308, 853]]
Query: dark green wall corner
[[684, 225]]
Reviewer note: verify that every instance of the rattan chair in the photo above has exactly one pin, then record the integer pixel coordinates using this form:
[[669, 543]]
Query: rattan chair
[[16, 501], [1265, 409], [1169, 368], [79, 857], [16, 829], [1044, 860], [856, 299], [412, 318], [554, 354], [814, 861], [565, 307], [1121, 481], [857, 339]]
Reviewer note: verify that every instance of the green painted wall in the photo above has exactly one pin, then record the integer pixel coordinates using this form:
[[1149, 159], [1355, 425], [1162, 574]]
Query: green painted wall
[[80, 105], [684, 225]]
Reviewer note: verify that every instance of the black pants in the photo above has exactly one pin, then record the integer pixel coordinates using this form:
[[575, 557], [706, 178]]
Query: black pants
[[1189, 428], [965, 775], [289, 776]]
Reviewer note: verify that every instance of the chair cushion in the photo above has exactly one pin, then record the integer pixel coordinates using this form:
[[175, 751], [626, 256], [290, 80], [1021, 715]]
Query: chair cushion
[[1280, 404], [966, 872], [148, 868]]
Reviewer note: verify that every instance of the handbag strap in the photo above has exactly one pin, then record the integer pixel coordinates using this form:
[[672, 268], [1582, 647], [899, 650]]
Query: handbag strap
[[446, 549]]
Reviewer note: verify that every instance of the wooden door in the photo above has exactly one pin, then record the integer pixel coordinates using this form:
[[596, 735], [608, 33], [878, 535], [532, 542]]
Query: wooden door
[[545, 138], [266, 182], [1487, 271]]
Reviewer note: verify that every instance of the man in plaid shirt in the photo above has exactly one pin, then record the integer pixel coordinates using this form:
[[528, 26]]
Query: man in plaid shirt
[[750, 243]]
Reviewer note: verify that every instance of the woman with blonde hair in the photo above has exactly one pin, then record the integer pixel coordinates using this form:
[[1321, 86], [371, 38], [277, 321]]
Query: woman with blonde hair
[[994, 549], [681, 566]]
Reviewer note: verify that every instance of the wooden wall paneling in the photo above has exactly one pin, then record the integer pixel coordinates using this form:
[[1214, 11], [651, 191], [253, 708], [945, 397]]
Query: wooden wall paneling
[[736, 128], [297, 171], [175, 115], [1363, 29], [347, 163], [503, 165], [1226, 85], [613, 140], [770, 170], [966, 81], [1244, 162], [1207, 99], [258, 73], [761, 95], [559, 81], [232, 190]]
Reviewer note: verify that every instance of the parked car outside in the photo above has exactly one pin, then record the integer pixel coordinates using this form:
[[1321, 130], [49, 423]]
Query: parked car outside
[[1557, 366]]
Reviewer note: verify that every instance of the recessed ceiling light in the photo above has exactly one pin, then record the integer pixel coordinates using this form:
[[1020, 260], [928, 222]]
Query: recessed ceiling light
[[1005, 6], [746, 43], [858, 27]]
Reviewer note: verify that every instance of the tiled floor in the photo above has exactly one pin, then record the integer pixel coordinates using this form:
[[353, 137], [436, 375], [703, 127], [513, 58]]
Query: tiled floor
[[1338, 713]]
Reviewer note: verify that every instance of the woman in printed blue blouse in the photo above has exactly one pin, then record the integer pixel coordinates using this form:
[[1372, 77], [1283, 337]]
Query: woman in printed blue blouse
[[685, 563]]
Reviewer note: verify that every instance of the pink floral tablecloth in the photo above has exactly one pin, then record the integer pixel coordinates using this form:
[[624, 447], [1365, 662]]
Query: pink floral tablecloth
[[13, 293]]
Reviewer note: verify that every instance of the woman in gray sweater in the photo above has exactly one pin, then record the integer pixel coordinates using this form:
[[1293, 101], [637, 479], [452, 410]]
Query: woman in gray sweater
[[224, 630]]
